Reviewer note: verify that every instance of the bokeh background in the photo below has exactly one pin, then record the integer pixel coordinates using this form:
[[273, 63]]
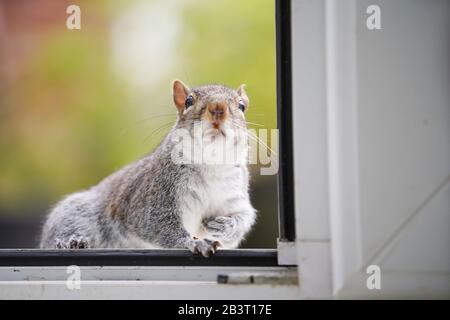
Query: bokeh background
[[76, 105]]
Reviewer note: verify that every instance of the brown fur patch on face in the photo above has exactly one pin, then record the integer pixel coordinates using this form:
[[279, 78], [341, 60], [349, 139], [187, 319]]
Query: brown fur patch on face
[[216, 113]]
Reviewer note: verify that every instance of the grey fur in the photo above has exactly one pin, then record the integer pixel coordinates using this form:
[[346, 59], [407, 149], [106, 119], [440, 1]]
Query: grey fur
[[146, 203]]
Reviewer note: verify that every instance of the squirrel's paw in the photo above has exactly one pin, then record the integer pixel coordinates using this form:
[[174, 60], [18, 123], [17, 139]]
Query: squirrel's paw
[[221, 227], [205, 247], [74, 242]]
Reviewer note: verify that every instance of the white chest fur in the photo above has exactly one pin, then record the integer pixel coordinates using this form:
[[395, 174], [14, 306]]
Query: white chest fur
[[210, 193]]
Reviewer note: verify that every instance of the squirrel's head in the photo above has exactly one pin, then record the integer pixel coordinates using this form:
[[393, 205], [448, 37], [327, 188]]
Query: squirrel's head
[[217, 107]]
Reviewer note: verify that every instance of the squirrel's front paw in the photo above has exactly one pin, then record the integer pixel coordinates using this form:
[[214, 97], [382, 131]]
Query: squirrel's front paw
[[204, 246], [73, 242], [221, 227]]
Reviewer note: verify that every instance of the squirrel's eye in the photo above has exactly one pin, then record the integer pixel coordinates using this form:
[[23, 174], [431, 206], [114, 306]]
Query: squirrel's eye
[[189, 102], [242, 106]]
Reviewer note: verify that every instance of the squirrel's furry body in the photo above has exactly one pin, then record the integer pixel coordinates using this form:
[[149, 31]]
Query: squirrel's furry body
[[157, 203]]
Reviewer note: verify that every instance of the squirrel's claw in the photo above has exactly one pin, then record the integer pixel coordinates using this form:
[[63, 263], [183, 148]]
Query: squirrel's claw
[[205, 247]]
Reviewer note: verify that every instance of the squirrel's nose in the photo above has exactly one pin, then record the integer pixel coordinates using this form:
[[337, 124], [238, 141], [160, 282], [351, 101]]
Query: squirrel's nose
[[217, 111]]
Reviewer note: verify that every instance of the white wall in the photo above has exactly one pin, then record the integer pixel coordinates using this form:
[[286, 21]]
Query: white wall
[[372, 144], [404, 137]]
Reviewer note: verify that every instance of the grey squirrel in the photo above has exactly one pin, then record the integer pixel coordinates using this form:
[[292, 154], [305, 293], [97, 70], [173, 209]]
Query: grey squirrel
[[157, 202]]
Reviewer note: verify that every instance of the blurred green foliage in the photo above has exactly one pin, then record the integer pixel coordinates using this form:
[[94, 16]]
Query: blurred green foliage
[[233, 42], [62, 132]]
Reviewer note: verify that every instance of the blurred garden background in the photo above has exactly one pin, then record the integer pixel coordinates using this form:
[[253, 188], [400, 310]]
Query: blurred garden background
[[76, 105]]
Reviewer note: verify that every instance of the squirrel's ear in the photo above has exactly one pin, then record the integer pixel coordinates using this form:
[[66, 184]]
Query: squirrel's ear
[[241, 92], [180, 92]]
